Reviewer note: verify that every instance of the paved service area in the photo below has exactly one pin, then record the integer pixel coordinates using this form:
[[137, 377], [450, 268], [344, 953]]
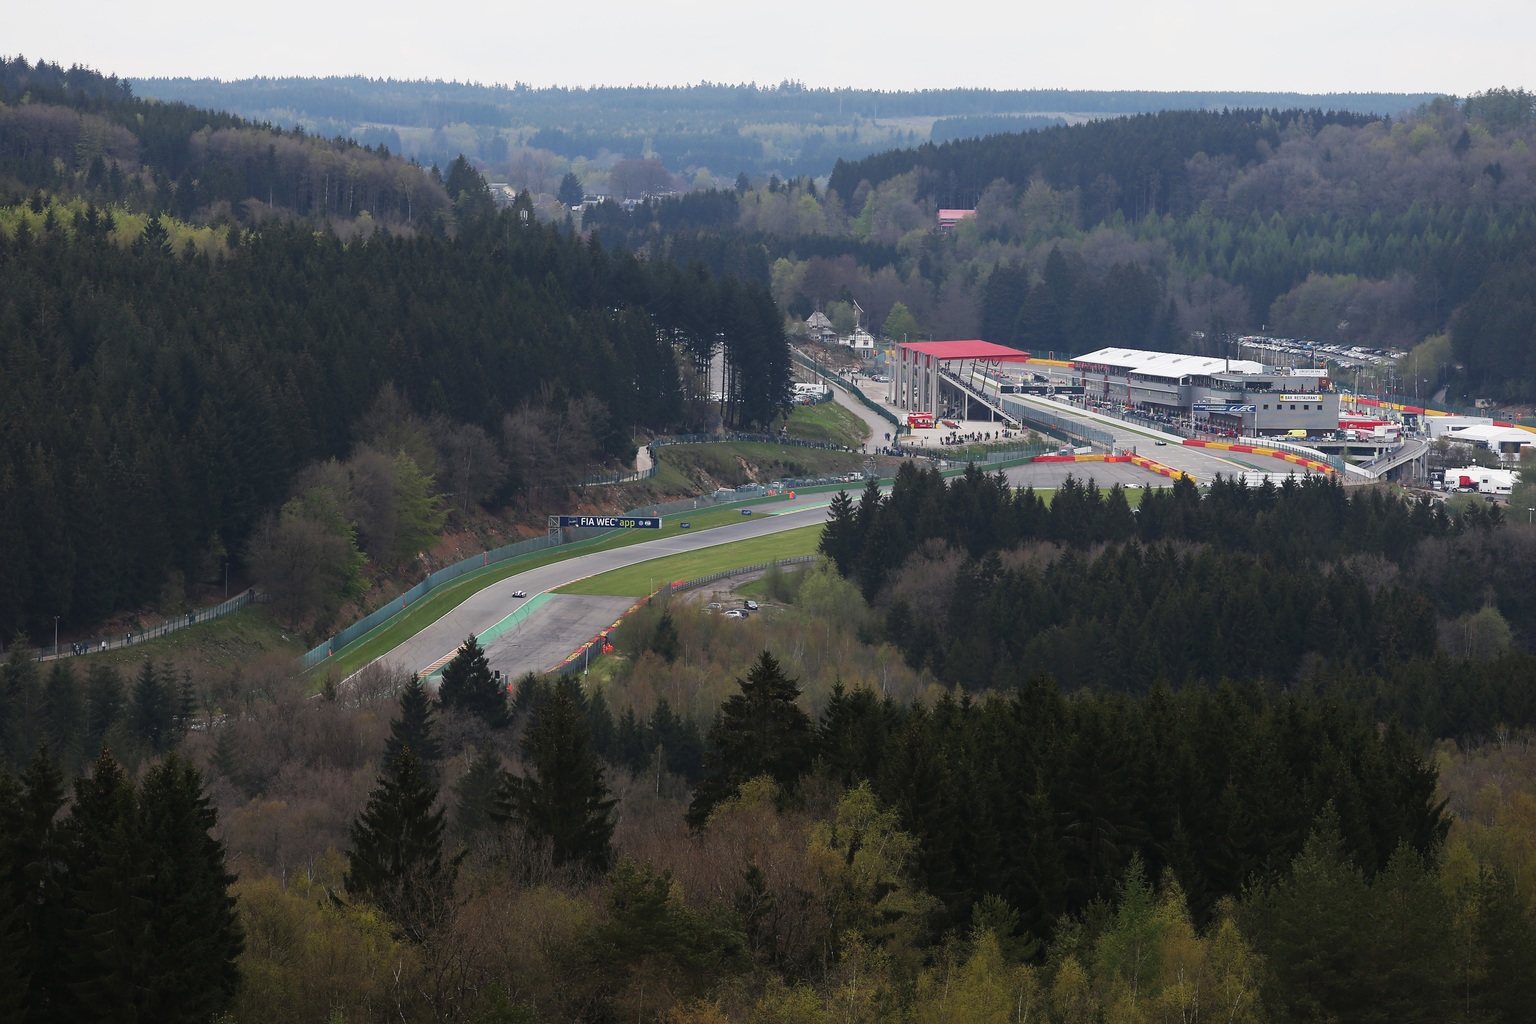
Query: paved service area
[[1046, 475], [542, 640]]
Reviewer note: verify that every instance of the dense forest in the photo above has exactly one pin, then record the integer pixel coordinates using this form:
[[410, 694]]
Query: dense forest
[[168, 378], [817, 815]]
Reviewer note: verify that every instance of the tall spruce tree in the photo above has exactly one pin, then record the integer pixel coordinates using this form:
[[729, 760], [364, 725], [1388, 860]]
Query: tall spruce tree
[[396, 855], [760, 731], [475, 795], [469, 686], [840, 537], [152, 708], [563, 799], [415, 729]]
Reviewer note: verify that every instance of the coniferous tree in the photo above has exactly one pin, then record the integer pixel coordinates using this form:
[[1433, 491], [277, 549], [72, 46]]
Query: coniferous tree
[[33, 941], [157, 934], [760, 731], [414, 729], [196, 933], [469, 686], [396, 859], [103, 705], [840, 537], [664, 642], [475, 795], [563, 799], [152, 709]]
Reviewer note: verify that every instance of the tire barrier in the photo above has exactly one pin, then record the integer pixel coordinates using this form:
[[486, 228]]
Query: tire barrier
[[1313, 465]]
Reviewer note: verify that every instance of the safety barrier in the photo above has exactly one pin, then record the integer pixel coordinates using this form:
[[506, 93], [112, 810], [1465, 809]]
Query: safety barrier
[[1135, 460], [1041, 420]]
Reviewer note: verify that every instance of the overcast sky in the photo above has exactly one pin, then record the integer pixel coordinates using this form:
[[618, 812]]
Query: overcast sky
[[1301, 45]]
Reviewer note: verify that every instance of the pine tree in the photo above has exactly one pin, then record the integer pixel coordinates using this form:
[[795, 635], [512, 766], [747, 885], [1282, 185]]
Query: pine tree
[[191, 915], [396, 855], [664, 641], [475, 795], [152, 709], [103, 705], [571, 192], [415, 729], [840, 538], [32, 934], [563, 799], [760, 731], [469, 686]]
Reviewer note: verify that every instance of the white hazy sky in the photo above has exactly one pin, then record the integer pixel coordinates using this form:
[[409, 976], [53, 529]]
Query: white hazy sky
[[1300, 45]]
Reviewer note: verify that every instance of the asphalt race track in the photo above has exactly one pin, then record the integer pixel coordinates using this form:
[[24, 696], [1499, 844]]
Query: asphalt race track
[[539, 640]]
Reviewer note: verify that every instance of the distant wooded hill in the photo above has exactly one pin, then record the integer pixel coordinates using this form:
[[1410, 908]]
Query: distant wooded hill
[[785, 129]]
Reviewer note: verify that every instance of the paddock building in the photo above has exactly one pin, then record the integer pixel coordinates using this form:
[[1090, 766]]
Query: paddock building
[[1236, 395]]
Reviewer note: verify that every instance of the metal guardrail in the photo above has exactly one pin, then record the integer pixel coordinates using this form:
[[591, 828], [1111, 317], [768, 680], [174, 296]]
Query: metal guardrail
[[1040, 420]]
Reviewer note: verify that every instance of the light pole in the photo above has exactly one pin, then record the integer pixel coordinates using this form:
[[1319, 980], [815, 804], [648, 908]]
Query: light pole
[[55, 636], [1530, 517], [226, 579]]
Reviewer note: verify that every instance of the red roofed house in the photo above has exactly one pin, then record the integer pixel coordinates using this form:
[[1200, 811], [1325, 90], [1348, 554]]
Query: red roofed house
[[949, 218]]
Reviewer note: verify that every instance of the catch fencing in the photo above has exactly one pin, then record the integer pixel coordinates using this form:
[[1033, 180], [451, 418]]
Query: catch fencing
[[117, 641]]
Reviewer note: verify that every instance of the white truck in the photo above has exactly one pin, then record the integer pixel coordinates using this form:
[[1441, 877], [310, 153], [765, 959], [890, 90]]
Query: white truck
[[1481, 480]]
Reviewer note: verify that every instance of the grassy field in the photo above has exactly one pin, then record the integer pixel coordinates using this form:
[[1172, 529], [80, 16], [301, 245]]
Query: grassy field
[[638, 580], [829, 422], [225, 645]]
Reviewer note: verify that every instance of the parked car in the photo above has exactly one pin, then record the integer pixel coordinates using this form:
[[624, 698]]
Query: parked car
[[735, 613], [750, 605]]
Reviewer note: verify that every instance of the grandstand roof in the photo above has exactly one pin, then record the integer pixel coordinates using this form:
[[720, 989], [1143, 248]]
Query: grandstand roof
[[1167, 364], [965, 350]]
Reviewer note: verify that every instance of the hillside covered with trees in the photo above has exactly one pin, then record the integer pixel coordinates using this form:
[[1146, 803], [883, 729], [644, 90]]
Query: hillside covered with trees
[[820, 814], [172, 364], [1175, 230]]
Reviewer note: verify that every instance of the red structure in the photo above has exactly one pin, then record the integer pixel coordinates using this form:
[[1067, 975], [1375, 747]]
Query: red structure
[[915, 384]]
